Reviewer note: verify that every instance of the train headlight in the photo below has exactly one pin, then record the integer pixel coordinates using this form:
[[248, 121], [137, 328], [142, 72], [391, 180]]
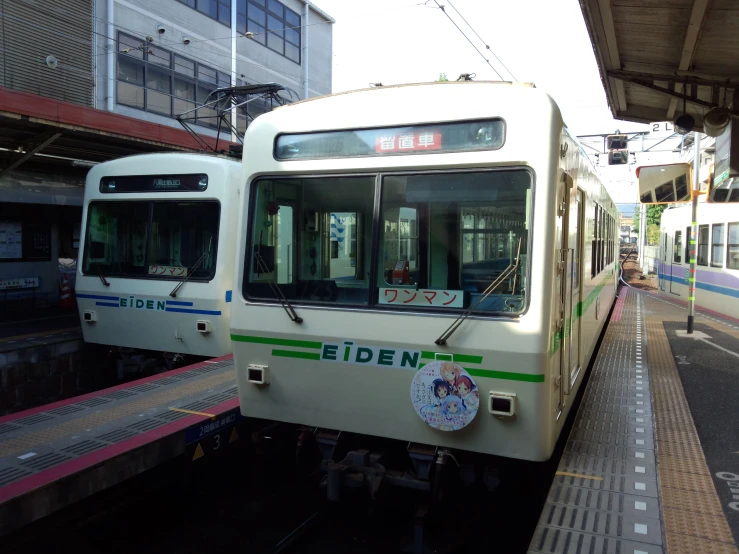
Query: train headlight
[[89, 316], [203, 326], [502, 404], [257, 374]]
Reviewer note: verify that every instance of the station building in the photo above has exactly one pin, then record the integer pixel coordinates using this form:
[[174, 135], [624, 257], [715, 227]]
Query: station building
[[85, 81]]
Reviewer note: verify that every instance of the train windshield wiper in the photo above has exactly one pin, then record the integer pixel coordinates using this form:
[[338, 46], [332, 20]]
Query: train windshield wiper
[[195, 266], [276, 290], [102, 276], [507, 272]]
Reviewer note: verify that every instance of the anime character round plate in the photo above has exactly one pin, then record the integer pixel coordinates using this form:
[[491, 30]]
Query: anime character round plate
[[445, 396]]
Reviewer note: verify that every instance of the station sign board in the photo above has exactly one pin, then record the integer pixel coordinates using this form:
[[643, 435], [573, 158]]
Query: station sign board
[[727, 154], [662, 127]]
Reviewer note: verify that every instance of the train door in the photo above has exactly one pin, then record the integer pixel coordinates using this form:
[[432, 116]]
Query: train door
[[571, 286], [675, 257], [663, 264]]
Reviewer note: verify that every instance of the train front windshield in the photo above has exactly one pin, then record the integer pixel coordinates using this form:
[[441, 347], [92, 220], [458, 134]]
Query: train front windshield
[[441, 240], [152, 240]]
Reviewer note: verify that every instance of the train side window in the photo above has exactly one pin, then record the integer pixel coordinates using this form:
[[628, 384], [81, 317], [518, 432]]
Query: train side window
[[445, 238], [717, 245], [688, 238], [677, 247], [732, 246], [702, 245], [594, 245]]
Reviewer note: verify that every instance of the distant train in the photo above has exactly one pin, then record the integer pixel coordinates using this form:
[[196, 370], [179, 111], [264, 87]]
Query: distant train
[[156, 265], [717, 256], [476, 271]]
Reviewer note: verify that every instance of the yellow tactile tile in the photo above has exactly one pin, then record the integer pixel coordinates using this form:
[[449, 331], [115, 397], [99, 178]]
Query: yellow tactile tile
[[694, 520], [688, 544], [32, 439], [699, 502]]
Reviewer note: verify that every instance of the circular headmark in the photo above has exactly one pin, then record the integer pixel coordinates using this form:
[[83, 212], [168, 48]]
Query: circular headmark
[[445, 396]]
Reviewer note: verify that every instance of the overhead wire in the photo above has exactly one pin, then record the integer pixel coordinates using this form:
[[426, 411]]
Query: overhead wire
[[482, 40], [468, 39]]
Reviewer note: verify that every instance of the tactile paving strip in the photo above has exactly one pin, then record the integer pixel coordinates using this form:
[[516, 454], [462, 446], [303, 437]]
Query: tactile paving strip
[[693, 519], [45, 438], [604, 497]]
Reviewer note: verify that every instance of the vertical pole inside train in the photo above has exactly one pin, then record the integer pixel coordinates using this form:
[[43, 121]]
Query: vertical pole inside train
[[694, 231]]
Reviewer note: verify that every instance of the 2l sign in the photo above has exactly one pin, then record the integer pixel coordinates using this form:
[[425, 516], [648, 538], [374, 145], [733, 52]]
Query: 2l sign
[[663, 127]]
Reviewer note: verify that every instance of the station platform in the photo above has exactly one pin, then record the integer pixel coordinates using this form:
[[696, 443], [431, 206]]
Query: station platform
[[57, 454], [651, 464]]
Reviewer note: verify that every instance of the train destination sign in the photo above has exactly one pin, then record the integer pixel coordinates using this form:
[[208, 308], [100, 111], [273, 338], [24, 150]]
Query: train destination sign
[[195, 182], [418, 139]]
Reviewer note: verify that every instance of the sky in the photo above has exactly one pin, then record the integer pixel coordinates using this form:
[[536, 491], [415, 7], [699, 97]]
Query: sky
[[544, 42]]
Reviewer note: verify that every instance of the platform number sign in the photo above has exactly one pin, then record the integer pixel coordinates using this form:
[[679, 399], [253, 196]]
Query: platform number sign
[[213, 435]]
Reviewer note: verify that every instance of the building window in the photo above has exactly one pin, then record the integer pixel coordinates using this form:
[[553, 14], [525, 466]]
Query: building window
[[732, 249], [717, 245], [702, 245], [677, 250], [158, 81], [274, 26], [220, 10]]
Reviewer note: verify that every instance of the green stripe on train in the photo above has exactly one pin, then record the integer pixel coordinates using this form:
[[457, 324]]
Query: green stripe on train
[[508, 375], [277, 342]]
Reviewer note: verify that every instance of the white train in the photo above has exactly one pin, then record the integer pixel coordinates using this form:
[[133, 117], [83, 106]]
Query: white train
[[717, 256], [481, 249], [156, 263]]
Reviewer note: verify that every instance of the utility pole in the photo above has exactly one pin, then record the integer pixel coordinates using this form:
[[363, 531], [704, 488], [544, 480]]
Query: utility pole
[[694, 231]]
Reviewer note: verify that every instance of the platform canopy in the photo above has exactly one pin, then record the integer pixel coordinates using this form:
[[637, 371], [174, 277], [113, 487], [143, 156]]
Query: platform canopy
[[649, 52], [39, 134]]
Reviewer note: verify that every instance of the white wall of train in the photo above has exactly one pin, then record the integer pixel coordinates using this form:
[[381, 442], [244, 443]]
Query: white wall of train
[[152, 222], [717, 256], [352, 367]]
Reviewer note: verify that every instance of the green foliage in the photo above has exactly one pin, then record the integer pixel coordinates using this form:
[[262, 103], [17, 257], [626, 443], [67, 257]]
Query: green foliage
[[654, 217], [654, 213], [442, 78], [652, 234]]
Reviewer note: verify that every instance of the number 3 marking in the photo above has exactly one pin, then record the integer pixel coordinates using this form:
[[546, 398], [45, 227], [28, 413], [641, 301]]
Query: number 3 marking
[[218, 442]]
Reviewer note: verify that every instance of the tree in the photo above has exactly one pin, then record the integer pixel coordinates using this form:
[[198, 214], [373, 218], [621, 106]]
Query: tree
[[654, 217], [442, 78], [654, 213]]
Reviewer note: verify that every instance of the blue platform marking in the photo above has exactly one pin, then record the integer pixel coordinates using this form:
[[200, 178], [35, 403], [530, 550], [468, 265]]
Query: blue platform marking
[[108, 304], [186, 311], [229, 294], [98, 297], [178, 303]]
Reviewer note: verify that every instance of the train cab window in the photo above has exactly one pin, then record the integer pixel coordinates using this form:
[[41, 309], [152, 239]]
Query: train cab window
[[445, 238], [702, 245], [116, 238], [182, 239], [152, 240], [678, 247], [732, 247], [312, 238], [717, 245]]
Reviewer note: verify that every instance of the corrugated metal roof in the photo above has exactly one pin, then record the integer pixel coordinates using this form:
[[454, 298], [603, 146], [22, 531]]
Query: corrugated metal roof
[[649, 51]]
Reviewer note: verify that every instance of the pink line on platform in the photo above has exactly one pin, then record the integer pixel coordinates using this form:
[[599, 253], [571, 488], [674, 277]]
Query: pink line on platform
[[76, 465], [618, 309], [75, 399]]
